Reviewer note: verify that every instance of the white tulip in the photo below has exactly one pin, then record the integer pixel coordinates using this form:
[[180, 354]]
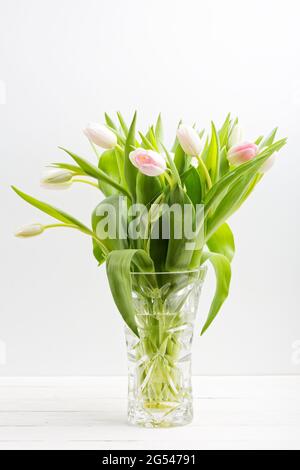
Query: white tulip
[[267, 165], [236, 137], [100, 135], [29, 230], [57, 178], [189, 140]]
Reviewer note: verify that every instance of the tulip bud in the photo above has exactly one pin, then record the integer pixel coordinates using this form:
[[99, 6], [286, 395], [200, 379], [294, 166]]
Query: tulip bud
[[100, 135], [189, 140], [267, 165], [149, 163], [236, 137], [57, 179], [29, 231], [242, 153]]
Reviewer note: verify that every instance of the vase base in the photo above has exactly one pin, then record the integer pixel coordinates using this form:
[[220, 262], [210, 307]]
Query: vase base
[[160, 415]]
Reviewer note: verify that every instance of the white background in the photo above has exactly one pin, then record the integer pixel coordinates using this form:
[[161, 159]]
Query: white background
[[63, 63]]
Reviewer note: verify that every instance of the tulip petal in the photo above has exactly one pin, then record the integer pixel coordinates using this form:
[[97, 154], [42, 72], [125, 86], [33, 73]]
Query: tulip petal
[[148, 162]]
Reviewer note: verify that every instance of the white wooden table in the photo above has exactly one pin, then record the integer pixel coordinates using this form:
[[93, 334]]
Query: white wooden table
[[90, 413]]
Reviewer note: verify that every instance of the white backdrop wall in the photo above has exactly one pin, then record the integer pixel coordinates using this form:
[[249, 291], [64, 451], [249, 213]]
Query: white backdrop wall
[[63, 63]]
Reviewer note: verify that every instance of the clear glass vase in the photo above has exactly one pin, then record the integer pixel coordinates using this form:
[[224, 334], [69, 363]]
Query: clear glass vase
[[159, 358]]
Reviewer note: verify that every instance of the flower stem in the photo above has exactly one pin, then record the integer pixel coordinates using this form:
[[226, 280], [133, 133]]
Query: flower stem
[[95, 149], [205, 171], [80, 180], [119, 148], [87, 232], [168, 178], [60, 225]]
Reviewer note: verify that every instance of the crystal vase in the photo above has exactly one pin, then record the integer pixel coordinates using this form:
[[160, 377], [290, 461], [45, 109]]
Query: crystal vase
[[159, 357]]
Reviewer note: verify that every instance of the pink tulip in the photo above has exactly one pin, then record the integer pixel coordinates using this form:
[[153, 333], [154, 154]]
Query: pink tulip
[[242, 153], [149, 163]]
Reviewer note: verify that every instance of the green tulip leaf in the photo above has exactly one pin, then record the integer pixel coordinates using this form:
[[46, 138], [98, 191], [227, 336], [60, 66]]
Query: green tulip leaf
[[180, 159], [113, 127], [212, 158], [193, 185], [98, 252], [269, 139], [179, 256], [224, 132], [95, 172], [130, 171], [231, 191], [224, 165], [119, 265], [152, 138], [52, 211], [122, 124], [222, 270], [157, 244], [108, 163], [249, 189], [110, 123], [221, 187], [146, 142], [230, 202], [66, 166], [159, 132], [109, 223], [222, 241], [147, 188], [172, 166], [259, 139]]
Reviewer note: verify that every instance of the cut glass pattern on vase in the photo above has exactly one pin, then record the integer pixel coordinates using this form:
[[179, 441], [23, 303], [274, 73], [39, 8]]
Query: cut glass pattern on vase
[[159, 359]]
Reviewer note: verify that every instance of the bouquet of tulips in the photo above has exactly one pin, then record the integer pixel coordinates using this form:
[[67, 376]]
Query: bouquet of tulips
[[203, 179]]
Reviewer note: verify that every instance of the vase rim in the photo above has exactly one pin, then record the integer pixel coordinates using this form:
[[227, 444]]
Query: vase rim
[[187, 271]]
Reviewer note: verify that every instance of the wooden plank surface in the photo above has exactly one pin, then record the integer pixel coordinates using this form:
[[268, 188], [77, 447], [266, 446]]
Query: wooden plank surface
[[90, 413]]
